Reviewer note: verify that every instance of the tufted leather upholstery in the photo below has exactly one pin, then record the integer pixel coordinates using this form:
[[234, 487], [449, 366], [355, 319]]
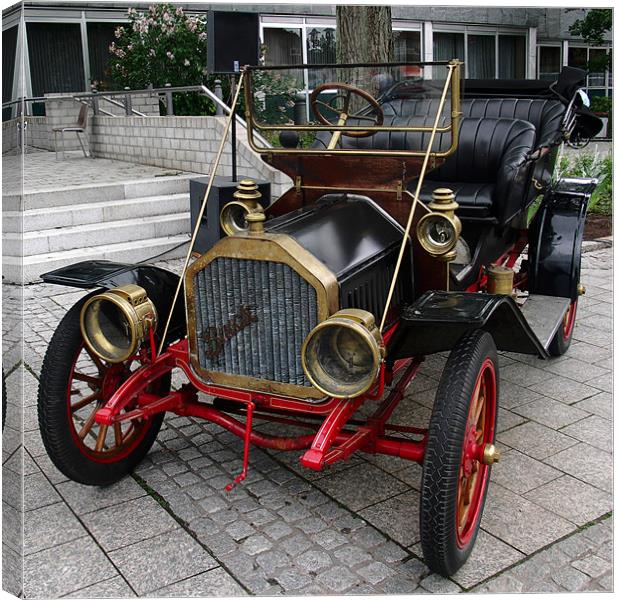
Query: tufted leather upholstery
[[488, 170], [545, 115]]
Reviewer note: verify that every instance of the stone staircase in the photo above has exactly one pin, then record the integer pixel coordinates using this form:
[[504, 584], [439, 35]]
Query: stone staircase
[[129, 221]]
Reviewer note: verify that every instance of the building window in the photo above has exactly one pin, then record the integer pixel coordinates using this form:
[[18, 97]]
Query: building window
[[100, 36], [445, 47], [599, 81], [321, 48], [549, 65], [512, 56], [283, 46], [407, 46], [481, 56]]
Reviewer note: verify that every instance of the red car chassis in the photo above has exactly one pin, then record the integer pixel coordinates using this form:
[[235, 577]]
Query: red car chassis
[[335, 436]]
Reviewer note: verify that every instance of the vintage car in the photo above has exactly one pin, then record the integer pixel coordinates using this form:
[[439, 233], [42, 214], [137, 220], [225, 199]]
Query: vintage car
[[413, 200]]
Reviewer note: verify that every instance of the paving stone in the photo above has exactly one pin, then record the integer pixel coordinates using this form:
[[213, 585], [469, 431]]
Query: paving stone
[[594, 431], [389, 553], [128, 523], [551, 413], [351, 555], [585, 463], [50, 526], [490, 556], [273, 561], [361, 486], [239, 530], [313, 561], [536, 440], [520, 523], [570, 578], [255, 544], [521, 473], [147, 571], [397, 517], [594, 566], [214, 583], [66, 568], [523, 374], [292, 579], [84, 499], [439, 585], [601, 404], [38, 492], [295, 544], [116, 587], [375, 572], [564, 390], [572, 499], [277, 530], [338, 579]]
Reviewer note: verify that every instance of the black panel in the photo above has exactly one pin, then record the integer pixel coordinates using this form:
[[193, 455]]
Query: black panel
[[100, 36], [437, 320], [221, 193], [358, 242], [56, 63], [555, 239], [233, 40]]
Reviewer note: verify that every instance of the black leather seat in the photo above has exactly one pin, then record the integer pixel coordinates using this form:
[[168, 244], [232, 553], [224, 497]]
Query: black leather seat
[[488, 171]]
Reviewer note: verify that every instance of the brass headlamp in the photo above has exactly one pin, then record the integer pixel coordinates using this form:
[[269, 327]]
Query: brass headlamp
[[115, 322], [438, 232], [342, 355], [233, 217]]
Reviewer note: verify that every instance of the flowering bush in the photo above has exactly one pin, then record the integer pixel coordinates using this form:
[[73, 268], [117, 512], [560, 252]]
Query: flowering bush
[[163, 45]]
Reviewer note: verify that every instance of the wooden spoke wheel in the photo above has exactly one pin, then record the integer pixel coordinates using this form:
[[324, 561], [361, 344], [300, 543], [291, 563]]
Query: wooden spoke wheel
[[459, 453], [338, 109], [563, 338], [74, 384]]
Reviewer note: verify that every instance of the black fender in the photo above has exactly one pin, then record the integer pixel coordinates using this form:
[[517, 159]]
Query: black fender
[[437, 320], [159, 284], [555, 239]]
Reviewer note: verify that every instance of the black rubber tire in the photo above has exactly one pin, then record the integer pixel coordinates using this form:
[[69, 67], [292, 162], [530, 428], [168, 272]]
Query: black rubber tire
[[53, 416], [559, 345], [441, 466]]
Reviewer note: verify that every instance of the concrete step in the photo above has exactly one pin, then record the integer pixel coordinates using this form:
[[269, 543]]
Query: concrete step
[[29, 271], [82, 194], [98, 212], [48, 241]]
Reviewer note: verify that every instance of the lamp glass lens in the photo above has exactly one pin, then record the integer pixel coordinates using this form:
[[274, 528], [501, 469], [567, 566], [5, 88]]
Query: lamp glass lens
[[108, 329]]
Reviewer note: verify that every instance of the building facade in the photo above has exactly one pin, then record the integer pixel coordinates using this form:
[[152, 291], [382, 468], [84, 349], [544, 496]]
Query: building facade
[[64, 46]]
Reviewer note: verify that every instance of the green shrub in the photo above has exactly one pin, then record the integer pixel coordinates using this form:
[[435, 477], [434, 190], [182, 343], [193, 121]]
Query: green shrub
[[601, 104], [159, 46], [587, 164]]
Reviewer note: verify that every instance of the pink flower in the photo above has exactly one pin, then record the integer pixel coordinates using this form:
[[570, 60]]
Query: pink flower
[[170, 55], [166, 16], [186, 62], [179, 12], [152, 52], [202, 36]]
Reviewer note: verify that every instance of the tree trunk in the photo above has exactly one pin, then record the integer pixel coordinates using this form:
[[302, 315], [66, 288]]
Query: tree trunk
[[364, 34]]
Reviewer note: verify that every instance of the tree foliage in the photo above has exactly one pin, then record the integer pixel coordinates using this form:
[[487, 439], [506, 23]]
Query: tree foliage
[[592, 29], [163, 45]]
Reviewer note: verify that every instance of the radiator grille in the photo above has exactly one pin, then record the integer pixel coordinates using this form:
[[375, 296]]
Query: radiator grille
[[252, 317]]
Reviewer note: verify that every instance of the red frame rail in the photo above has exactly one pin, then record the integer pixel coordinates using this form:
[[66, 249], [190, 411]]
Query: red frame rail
[[333, 436]]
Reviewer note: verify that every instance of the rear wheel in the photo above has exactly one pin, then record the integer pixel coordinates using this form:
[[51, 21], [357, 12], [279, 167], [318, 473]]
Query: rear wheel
[[563, 338], [459, 452], [74, 384]]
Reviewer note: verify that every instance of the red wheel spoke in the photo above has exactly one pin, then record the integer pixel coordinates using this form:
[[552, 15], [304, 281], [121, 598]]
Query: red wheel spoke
[[90, 421], [85, 401], [101, 438], [87, 378], [118, 434]]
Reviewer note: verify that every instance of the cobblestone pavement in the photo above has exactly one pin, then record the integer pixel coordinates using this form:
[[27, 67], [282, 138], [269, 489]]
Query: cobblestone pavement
[[41, 171], [172, 530]]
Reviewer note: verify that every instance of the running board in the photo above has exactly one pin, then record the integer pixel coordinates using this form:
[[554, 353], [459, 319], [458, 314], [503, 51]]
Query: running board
[[437, 320], [544, 314]]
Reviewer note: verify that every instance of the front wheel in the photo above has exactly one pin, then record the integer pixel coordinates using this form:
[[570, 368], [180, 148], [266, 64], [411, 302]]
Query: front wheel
[[459, 453], [563, 338], [74, 384]]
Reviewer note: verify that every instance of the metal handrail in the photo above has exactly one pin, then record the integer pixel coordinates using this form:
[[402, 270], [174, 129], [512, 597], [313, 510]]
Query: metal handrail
[[107, 96]]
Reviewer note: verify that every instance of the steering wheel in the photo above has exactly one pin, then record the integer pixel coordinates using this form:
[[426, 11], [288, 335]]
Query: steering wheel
[[343, 98]]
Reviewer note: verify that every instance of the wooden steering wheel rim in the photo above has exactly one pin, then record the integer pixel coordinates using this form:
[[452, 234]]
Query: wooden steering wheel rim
[[351, 89]]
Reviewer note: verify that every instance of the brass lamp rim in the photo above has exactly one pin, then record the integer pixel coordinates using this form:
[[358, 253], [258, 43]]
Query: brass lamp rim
[[128, 310], [431, 248], [249, 206], [346, 320]]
